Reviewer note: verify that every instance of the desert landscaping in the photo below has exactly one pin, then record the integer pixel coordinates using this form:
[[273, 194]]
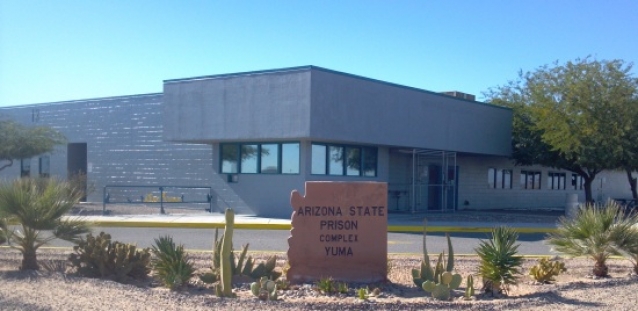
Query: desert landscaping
[[575, 289]]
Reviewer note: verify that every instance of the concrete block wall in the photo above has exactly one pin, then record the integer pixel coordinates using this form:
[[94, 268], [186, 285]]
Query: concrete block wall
[[124, 143], [474, 192]]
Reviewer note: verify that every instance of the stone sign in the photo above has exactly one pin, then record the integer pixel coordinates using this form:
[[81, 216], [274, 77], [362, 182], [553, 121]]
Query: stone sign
[[339, 230]]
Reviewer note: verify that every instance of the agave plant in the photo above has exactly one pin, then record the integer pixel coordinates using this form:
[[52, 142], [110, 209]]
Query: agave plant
[[597, 232], [38, 205], [499, 263], [171, 264]]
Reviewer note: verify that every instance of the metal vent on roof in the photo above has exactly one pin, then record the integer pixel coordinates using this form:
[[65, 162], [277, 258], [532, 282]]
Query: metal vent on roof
[[462, 95]]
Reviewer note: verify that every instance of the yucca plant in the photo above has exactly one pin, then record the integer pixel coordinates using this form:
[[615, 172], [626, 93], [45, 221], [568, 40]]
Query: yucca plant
[[597, 232], [171, 264], [499, 261], [38, 205]]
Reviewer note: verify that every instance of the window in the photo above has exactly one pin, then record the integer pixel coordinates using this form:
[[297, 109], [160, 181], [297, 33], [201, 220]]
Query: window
[[270, 158], [556, 181], [290, 158], [344, 160], [318, 159], [530, 179], [499, 178], [353, 156], [491, 178], [25, 167], [44, 169], [369, 161], [249, 159], [578, 182], [230, 157], [335, 160], [507, 179]]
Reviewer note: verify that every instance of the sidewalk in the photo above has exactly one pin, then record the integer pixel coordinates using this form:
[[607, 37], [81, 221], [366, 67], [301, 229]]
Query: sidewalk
[[396, 222]]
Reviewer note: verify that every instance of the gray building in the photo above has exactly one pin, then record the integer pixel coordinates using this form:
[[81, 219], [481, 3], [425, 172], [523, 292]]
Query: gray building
[[254, 137]]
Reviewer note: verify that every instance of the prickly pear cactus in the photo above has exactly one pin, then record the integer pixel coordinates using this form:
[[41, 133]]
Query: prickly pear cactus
[[264, 289], [427, 272], [443, 289], [441, 292]]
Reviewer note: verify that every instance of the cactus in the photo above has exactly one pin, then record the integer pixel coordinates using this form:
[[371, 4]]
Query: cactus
[[264, 289], [546, 270], [99, 257], [245, 264], [469, 287], [427, 272], [446, 283], [225, 287]]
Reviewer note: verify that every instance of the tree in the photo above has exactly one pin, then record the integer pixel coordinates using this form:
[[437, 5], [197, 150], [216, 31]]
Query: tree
[[21, 142], [628, 159], [597, 232], [575, 116], [38, 205]]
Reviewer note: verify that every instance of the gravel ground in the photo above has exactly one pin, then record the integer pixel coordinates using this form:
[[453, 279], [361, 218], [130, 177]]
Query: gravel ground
[[56, 290]]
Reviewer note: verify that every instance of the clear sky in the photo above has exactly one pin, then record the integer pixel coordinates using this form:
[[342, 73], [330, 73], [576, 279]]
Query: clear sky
[[77, 49]]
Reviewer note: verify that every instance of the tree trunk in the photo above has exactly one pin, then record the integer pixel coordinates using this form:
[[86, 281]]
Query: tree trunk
[[29, 260], [589, 198], [632, 184], [600, 269]]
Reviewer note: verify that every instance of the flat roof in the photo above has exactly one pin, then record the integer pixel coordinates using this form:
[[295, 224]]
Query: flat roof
[[312, 67]]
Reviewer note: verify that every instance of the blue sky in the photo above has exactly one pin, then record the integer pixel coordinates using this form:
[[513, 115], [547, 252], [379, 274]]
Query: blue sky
[[76, 49]]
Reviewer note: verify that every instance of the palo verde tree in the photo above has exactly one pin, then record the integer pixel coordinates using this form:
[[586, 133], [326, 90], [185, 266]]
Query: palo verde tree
[[21, 142], [572, 116]]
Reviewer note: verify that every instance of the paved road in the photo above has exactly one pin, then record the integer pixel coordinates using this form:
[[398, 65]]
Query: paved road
[[276, 240]]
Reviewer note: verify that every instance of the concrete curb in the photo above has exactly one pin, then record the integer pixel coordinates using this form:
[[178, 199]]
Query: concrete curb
[[265, 226]]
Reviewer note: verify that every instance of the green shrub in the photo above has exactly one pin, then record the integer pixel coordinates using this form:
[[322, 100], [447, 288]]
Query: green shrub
[[499, 262], [597, 232], [171, 264], [98, 257], [328, 286], [38, 205], [545, 270]]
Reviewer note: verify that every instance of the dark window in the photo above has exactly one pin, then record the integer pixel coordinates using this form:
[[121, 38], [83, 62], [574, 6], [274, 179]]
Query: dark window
[[44, 168], [491, 178], [578, 182], [530, 180], [369, 161], [25, 167], [556, 181], [499, 178]]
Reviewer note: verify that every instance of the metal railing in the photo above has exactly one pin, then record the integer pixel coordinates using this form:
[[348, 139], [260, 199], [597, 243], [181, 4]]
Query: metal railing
[[137, 194]]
